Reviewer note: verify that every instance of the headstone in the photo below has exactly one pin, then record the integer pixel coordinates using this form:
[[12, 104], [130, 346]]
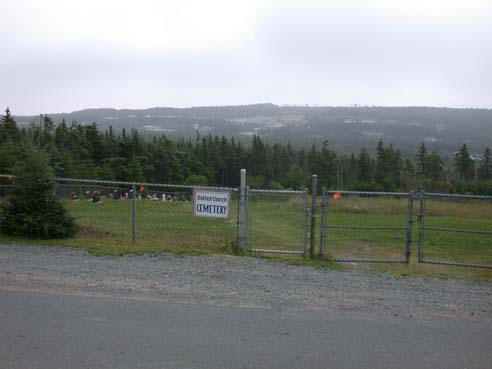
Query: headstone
[[96, 197]]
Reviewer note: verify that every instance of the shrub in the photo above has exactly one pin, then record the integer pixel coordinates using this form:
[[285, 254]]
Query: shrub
[[32, 209]]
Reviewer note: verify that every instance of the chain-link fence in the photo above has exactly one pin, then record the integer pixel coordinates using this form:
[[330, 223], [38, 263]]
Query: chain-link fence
[[166, 213], [160, 214], [455, 230], [366, 226], [276, 221], [355, 226], [102, 210]]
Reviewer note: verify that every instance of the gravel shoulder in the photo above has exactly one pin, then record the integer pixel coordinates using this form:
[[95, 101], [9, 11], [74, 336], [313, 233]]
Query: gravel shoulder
[[240, 282]]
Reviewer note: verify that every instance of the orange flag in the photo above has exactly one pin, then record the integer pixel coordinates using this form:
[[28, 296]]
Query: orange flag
[[141, 188], [337, 195]]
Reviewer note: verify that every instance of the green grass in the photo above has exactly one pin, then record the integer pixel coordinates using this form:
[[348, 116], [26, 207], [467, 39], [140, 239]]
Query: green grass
[[106, 228], [166, 226], [276, 225], [390, 244]]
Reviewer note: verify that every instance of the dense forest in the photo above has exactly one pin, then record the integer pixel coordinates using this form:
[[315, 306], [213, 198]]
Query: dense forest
[[85, 151], [346, 128]]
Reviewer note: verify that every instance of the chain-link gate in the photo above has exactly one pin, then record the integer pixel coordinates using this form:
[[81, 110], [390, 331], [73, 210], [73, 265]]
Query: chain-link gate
[[455, 230], [275, 221], [359, 226]]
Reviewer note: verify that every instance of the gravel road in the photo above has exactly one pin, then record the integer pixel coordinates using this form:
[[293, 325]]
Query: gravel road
[[239, 282]]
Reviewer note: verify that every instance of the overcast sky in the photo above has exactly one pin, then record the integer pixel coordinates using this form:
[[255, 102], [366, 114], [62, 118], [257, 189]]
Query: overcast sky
[[65, 55]]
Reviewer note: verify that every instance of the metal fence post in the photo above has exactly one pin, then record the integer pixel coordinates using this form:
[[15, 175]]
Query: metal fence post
[[247, 220], [134, 211], [314, 192], [409, 227], [305, 214], [421, 226], [322, 234], [242, 209]]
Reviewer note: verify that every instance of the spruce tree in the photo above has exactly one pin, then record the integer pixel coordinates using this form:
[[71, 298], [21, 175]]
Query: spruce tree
[[296, 178], [464, 165], [32, 209], [421, 163], [364, 169], [435, 166], [485, 170], [8, 128]]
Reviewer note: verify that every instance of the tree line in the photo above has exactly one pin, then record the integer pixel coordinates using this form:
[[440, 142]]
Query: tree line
[[84, 151]]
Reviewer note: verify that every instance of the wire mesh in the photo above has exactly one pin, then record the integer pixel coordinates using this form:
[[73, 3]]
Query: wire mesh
[[365, 227], [277, 221], [355, 226], [159, 215], [101, 210], [456, 230], [165, 214]]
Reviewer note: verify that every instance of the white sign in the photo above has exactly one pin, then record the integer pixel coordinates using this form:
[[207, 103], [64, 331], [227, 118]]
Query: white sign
[[211, 204]]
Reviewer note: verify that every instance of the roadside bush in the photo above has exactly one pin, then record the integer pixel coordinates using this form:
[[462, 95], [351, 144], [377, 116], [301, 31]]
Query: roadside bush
[[31, 208]]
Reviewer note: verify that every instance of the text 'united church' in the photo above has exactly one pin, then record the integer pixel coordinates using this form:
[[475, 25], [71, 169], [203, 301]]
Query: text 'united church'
[[211, 209]]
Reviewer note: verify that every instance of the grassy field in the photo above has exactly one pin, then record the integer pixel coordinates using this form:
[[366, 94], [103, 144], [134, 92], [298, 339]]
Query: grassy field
[[276, 221], [444, 246], [106, 228]]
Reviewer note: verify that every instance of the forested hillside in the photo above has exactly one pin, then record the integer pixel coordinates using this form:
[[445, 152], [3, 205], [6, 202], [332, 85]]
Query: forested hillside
[[345, 128], [89, 151]]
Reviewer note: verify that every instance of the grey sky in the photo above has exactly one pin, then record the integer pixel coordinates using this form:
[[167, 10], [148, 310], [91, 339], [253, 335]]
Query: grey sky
[[61, 55]]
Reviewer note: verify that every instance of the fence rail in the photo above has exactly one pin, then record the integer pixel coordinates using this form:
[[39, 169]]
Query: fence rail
[[276, 221], [369, 227], [355, 226], [455, 230]]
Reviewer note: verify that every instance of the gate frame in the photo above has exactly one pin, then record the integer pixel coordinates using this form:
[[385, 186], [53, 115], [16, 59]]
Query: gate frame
[[408, 228], [246, 241], [422, 229]]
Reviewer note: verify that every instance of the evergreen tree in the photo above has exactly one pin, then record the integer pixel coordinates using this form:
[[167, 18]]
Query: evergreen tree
[[421, 162], [434, 166], [296, 178], [61, 136], [381, 162], [8, 156], [331, 169], [32, 208], [388, 166], [485, 170], [8, 128], [257, 158], [135, 171], [464, 165], [48, 130], [314, 162], [95, 143], [364, 168], [84, 151]]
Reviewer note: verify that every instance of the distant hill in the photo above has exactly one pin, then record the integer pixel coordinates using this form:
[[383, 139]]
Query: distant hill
[[345, 128]]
